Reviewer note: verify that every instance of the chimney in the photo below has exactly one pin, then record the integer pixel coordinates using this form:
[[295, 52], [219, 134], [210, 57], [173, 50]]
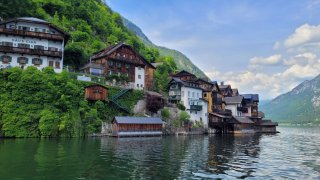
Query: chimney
[[221, 83]]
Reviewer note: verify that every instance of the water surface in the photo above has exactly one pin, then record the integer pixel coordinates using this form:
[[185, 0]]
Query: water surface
[[292, 154]]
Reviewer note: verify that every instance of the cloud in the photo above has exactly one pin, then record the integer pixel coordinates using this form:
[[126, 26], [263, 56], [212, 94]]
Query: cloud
[[271, 60], [303, 34], [302, 59], [276, 45]]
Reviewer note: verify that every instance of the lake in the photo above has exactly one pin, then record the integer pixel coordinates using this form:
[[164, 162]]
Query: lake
[[292, 154]]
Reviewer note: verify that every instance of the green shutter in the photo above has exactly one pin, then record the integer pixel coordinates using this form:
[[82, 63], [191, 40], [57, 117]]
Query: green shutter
[[3, 56]]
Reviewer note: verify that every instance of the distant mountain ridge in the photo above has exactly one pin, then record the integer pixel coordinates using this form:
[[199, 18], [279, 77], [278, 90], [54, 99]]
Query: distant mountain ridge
[[300, 105], [182, 61]]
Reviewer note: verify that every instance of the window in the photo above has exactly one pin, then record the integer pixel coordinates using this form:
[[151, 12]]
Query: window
[[52, 49], [193, 94], [36, 61], [137, 85], [197, 95], [51, 63], [38, 47], [127, 66], [188, 93], [7, 44], [119, 65], [139, 76], [20, 45], [22, 60], [205, 95], [110, 63], [139, 68], [182, 93], [141, 85], [57, 64], [5, 59]]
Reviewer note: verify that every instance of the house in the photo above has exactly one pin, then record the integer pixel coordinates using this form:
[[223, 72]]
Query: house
[[184, 89], [96, 92], [251, 104], [123, 61], [239, 124], [266, 126], [235, 92], [136, 126], [29, 41], [226, 90], [236, 105]]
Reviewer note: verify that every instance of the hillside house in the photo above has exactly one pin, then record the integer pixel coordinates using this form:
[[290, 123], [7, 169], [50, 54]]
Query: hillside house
[[96, 92], [123, 61]]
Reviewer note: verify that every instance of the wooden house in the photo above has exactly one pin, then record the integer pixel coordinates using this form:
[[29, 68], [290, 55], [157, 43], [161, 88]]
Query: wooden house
[[96, 92], [123, 61], [266, 126], [251, 101], [136, 126], [185, 76], [240, 125], [226, 90]]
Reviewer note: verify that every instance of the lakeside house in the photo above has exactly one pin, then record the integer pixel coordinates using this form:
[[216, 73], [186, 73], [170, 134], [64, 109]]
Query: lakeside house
[[184, 89], [136, 126], [121, 60], [29, 41]]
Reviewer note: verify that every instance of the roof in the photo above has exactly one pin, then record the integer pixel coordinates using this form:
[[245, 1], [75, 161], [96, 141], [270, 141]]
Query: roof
[[219, 115], [254, 97], [233, 100], [152, 93], [92, 85], [107, 51], [137, 120], [222, 87], [39, 21], [185, 83], [242, 120], [183, 72]]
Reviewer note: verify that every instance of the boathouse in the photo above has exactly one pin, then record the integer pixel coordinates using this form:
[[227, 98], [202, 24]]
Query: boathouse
[[136, 126], [240, 124], [266, 126], [96, 92]]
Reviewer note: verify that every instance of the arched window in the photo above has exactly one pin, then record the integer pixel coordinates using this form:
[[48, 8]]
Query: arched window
[[5, 59], [22, 60]]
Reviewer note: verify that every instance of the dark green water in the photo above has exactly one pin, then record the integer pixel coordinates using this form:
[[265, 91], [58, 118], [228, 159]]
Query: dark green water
[[292, 154]]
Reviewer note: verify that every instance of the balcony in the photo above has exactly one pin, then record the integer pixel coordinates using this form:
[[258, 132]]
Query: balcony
[[39, 52], [195, 108], [225, 112], [242, 109], [33, 34]]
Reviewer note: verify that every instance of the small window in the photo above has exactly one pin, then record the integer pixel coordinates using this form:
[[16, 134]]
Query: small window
[[139, 68], [52, 49], [22, 60], [193, 94], [57, 64], [137, 85], [141, 85], [182, 93], [38, 47], [7, 44], [20, 45], [51, 63], [110, 63], [188, 93], [36, 61], [139, 76], [5, 59], [205, 95]]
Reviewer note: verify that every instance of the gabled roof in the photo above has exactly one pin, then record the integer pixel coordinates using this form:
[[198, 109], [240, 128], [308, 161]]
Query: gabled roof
[[183, 73], [107, 51], [136, 120], [185, 83], [92, 65], [233, 100], [253, 97], [223, 87], [37, 21], [242, 120]]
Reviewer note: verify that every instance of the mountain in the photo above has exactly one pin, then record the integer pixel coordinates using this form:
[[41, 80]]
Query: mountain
[[300, 105], [182, 61]]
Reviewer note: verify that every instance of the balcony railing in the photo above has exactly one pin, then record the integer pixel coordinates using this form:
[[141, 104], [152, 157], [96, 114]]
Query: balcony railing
[[225, 112], [41, 35], [195, 107], [242, 109], [40, 52]]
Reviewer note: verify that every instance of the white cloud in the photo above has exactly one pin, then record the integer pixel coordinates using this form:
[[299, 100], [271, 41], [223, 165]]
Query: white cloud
[[271, 60], [276, 45], [303, 34], [302, 59]]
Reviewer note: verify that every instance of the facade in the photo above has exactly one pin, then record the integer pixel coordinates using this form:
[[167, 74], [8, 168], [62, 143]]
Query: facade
[[96, 92], [251, 103], [236, 105], [122, 61], [31, 42], [136, 126], [185, 90]]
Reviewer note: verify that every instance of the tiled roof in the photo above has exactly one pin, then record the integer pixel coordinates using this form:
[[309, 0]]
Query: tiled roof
[[137, 120], [233, 100], [243, 120]]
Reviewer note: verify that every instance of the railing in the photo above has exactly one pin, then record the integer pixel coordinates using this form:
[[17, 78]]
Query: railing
[[40, 52], [196, 107], [41, 35]]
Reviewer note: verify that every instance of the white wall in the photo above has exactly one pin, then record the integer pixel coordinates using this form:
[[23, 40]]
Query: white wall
[[249, 112], [233, 108], [139, 82]]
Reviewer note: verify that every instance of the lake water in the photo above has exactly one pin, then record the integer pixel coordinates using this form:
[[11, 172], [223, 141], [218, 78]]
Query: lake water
[[292, 154]]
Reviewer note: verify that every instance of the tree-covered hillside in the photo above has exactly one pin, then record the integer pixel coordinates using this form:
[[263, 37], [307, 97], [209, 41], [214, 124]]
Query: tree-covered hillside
[[37, 103], [91, 24]]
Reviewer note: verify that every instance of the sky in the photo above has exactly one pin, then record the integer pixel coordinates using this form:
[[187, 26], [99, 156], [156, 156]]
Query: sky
[[265, 47]]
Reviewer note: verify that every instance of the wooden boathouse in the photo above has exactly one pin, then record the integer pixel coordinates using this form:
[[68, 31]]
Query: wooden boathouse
[[136, 126], [96, 92]]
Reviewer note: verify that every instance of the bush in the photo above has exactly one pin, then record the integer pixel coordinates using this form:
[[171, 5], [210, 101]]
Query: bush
[[181, 107], [165, 114]]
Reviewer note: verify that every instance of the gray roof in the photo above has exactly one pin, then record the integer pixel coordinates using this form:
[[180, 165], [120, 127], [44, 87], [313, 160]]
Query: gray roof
[[185, 83], [243, 120], [137, 120], [254, 97], [233, 100], [268, 123], [92, 65]]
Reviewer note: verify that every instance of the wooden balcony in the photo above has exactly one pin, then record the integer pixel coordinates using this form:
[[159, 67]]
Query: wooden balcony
[[225, 112], [33, 34], [242, 109], [39, 52]]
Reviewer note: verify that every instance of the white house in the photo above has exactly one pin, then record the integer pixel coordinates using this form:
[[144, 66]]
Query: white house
[[31, 41], [190, 95], [235, 104]]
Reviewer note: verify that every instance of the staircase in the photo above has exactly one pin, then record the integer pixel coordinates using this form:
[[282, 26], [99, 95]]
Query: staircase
[[114, 100]]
